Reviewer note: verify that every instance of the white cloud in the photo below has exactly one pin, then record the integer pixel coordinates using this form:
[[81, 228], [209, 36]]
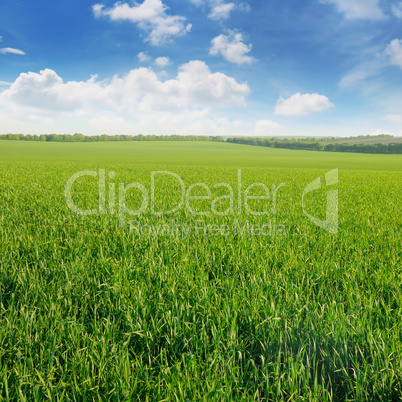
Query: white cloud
[[1, 38], [147, 11], [362, 72], [221, 11], [143, 57], [358, 9], [302, 105], [47, 91], [150, 16], [139, 95], [394, 118], [192, 102], [5, 83], [111, 124], [232, 48], [162, 61], [357, 75], [374, 64], [394, 52], [266, 127], [5, 50], [397, 10]]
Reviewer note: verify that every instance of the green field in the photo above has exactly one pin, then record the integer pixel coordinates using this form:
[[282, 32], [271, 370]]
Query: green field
[[226, 305], [392, 140], [194, 153]]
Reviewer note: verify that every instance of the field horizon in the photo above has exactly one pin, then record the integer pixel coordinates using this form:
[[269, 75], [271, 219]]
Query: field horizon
[[194, 153]]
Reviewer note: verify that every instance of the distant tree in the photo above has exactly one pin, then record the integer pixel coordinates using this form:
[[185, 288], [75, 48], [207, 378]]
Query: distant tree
[[79, 137]]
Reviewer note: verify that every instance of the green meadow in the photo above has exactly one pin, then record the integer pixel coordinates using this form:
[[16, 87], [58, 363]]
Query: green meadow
[[236, 295], [193, 153]]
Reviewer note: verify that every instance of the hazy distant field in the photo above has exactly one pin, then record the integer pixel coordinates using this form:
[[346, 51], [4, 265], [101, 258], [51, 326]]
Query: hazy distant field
[[393, 140], [212, 302], [195, 153]]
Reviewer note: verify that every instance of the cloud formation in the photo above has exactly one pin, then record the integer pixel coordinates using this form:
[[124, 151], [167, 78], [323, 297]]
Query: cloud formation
[[362, 72], [397, 10], [232, 48], [302, 105], [394, 52], [143, 57], [374, 64], [162, 61], [139, 91], [150, 17], [219, 10], [193, 101], [266, 127], [394, 118], [357, 9], [10, 50]]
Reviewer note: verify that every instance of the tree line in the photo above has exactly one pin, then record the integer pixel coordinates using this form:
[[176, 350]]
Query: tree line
[[77, 137], [311, 143], [315, 145]]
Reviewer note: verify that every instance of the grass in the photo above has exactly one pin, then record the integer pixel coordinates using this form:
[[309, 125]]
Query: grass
[[90, 310], [194, 154]]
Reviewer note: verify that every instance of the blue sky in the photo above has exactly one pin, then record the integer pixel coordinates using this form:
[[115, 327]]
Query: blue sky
[[218, 67]]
